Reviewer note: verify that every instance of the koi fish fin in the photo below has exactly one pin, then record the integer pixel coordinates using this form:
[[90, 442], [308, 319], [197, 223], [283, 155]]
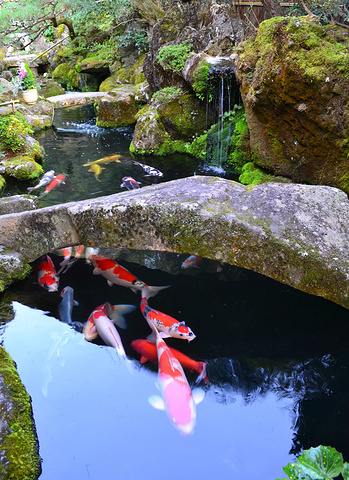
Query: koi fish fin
[[110, 283], [134, 290], [151, 338], [116, 314], [96, 271], [144, 359], [75, 303], [152, 291], [198, 395], [202, 376], [164, 335], [156, 402]]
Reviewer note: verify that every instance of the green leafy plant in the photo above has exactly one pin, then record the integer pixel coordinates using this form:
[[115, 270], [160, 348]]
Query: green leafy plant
[[24, 80], [167, 94], [13, 130], [319, 463], [200, 85], [138, 40], [173, 57]]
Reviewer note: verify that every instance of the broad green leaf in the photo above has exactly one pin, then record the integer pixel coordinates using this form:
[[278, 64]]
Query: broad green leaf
[[322, 462], [297, 472], [345, 471]]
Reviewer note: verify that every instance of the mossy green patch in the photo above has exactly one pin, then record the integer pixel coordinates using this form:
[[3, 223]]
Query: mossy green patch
[[22, 168], [252, 175], [20, 444]]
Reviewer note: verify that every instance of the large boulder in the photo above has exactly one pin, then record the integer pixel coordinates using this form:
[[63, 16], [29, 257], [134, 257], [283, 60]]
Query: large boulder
[[119, 109], [294, 84], [168, 127]]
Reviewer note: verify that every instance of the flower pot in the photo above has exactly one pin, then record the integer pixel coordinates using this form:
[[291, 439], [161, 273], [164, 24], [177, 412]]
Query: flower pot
[[30, 96]]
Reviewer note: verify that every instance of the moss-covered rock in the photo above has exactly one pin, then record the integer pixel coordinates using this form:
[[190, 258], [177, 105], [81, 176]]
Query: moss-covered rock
[[50, 88], [65, 75], [163, 129], [294, 82], [120, 109], [19, 445], [21, 167]]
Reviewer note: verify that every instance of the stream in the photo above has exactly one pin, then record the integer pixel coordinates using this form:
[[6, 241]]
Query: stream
[[277, 359]]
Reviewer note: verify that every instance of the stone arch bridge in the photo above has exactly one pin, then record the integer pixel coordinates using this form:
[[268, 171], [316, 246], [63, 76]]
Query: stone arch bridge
[[296, 234]]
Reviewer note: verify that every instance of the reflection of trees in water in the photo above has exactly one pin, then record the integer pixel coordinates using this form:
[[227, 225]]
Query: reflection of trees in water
[[318, 389]]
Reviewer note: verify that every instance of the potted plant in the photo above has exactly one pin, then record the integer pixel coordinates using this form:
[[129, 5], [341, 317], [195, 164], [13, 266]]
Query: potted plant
[[25, 83]]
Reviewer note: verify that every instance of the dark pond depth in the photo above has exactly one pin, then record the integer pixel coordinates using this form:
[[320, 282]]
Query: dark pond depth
[[277, 359]]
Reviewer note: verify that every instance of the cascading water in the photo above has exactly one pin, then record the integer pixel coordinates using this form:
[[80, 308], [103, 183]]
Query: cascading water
[[223, 94]]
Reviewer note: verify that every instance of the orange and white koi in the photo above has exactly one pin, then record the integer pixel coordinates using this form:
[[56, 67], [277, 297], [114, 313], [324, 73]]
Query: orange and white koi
[[191, 261], [47, 275], [177, 398], [57, 180], [166, 325], [101, 323], [118, 275], [148, 352], [114, 312], [67, 260], [130, 183]]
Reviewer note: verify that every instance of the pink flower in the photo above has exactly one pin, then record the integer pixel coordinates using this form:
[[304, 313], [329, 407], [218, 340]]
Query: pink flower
[[22, 72]]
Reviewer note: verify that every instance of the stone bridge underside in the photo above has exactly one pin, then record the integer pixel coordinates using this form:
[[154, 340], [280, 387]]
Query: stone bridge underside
[[296, 234]]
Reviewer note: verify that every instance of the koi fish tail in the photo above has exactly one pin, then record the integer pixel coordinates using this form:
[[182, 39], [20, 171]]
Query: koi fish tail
[[150, 291], [202, 370], [116, 314]]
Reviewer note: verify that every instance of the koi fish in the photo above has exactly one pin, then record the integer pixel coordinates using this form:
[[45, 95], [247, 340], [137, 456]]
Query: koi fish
[[150, 171], [110, 158], [114, 312], [191, 261], [166, 325], [130, 183], [97, 169], [45, 180], [148, 352], [66, 306], [104, 326], [118, 275], [47, 276], [57, 180], [67, 261], [177, 398]]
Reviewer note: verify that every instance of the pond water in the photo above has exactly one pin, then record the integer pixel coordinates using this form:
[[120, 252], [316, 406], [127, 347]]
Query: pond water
[[277, 359]]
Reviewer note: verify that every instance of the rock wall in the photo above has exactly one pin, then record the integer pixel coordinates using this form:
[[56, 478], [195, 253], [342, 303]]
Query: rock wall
[[295, 234], [294, 83]]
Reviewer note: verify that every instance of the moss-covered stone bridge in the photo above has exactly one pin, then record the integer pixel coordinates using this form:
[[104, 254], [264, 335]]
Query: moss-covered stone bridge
[[296, 234]]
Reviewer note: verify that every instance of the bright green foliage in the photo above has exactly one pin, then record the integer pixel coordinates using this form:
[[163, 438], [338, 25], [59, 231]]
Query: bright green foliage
[[239, 143], [173, 57], [200, 84], [252, 175], [320, 463], [28, 81], [167, 94], [325, 10], [135, 39], [13, 130]]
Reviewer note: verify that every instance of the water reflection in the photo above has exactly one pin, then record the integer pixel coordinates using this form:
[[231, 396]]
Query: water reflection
[[277, 371]]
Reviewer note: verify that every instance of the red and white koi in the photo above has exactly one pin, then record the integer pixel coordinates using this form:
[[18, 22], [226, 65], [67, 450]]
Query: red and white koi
[[45, 180], [100, 323], [57, 180], [130, 183], [118, 275], [47, 275], [166, 325], [67, 260], [191, 261], [148, 352], [177, 398]]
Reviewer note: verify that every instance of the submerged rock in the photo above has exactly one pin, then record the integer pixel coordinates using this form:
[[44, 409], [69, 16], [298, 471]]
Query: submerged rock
[[294, 84]]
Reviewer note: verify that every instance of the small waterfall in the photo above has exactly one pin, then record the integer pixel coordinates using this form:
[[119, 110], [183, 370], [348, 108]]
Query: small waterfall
[[223, 94]]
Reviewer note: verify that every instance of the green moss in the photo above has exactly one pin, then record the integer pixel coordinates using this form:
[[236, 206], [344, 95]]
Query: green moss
[[2, 182], [252, 175], [200, 83], [22, 168], [198, 147], [61, 73], [173, 57], [239, 143], [20, 444]]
